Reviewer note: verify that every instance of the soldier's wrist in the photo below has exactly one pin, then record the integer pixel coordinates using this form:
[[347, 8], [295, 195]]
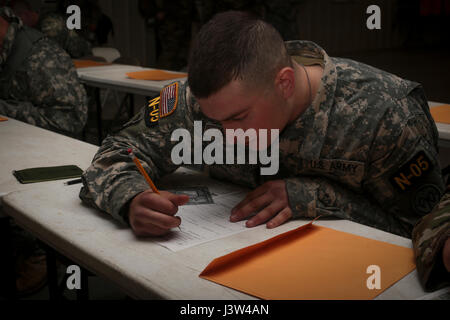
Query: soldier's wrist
[[125, 210]]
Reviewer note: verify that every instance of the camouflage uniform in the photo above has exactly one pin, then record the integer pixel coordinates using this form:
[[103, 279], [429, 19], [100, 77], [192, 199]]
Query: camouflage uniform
[[38, 82], [429, 236], [349, 155], [53, 25]]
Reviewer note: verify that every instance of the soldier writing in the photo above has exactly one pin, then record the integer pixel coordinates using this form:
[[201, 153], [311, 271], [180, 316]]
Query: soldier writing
[[355, 142]]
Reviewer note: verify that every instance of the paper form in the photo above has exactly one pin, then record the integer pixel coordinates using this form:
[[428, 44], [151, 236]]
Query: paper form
[[204, 222], [185, 177]]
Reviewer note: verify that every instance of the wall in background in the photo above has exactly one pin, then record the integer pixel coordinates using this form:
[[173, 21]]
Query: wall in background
[[339, 26], [131, 35]]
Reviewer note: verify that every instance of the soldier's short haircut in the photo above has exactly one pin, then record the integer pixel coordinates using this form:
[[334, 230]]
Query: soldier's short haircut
[[235, 45]]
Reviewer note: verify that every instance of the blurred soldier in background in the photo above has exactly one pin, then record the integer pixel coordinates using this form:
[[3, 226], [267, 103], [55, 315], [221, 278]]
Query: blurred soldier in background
[[95, 27], [38, 85], [172, 21], [176, 22], [38, 82]]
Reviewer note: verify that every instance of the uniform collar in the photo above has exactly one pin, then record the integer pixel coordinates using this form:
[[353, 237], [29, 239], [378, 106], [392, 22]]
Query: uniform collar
[[313, 123]]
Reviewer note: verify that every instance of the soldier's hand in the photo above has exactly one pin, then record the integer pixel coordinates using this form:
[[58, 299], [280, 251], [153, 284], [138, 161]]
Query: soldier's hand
[[269, 201], [446, 254], [153, 214]]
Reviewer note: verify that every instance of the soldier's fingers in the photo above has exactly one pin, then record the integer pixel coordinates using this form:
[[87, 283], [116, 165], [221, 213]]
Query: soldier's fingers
[[158, 219], [283, 216], [177, 199], [251, 207], [159, 203], [265, 214], [149, 230], [250, 197]]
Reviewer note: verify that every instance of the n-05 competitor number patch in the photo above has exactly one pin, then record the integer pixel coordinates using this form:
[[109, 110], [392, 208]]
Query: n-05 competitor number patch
[[412, 171]]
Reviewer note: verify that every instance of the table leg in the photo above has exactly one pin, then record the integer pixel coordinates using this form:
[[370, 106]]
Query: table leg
[[52, 274], [98, 103], [83, 293]]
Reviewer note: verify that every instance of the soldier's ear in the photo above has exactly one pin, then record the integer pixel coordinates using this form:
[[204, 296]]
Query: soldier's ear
[[285, 82]]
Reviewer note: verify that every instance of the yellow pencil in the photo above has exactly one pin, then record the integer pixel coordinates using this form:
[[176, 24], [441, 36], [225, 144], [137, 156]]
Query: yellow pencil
[[144, 173]]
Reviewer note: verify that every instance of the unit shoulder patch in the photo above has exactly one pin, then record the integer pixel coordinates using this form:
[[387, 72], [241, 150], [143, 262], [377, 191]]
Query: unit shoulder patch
[[152, 112]]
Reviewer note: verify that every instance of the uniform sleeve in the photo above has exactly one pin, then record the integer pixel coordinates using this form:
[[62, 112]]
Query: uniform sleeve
[[402, 180], [313, 197], [429, 236], [113, 180], [46, 92]]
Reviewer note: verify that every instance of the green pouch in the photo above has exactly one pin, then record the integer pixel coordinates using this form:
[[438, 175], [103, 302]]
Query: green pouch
[[33, 175]]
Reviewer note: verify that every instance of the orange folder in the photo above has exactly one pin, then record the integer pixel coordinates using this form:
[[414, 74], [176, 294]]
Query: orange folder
[[3, 119], [312, 262], [156, 75], [441, 113], [89, 63]]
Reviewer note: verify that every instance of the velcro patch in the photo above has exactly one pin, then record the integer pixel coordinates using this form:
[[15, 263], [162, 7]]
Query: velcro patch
[[152, 112], [411, 172], [425, 198], [169, 99]]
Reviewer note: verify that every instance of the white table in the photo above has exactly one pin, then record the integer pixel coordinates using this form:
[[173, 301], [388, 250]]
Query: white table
[[443, 128], [142, 268], [54, 213], [26, 146], [114, 77]]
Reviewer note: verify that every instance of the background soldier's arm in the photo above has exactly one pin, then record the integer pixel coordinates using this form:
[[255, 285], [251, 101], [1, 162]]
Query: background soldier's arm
[[46, 92]]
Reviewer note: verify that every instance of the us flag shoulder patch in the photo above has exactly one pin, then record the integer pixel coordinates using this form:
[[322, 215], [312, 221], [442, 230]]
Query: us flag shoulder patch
[[169, 99]]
